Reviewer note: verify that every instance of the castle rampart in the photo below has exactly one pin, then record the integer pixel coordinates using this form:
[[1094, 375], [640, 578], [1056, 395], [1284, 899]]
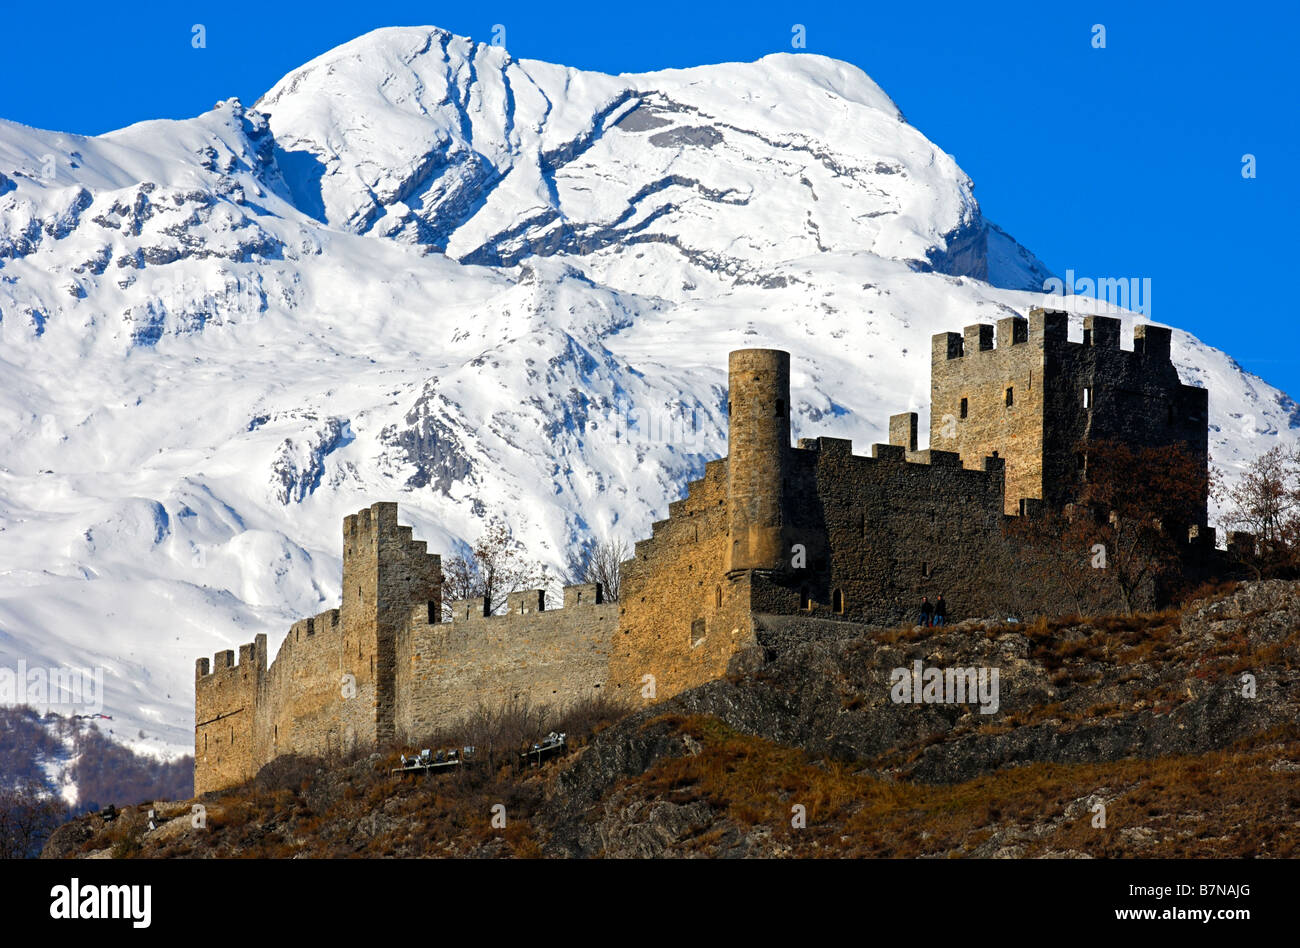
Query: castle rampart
[[385, 665]]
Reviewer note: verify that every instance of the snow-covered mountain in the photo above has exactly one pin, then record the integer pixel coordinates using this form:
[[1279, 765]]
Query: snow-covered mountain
[[420, 269]]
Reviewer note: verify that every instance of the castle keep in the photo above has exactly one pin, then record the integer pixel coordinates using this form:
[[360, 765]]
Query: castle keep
[[1037, 400], [771, 529]]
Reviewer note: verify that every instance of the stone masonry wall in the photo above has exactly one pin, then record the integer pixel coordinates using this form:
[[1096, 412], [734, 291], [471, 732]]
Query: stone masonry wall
[[1036, 399], [552, 657], [378, 668], [682, 616], [968, 368]]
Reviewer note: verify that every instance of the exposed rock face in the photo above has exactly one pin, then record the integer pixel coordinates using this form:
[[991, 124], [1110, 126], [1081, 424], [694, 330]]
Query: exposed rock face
[[1167, 687]]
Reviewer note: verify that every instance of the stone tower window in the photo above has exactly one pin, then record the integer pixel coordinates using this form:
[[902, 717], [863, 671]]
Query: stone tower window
[[964, 408], [697, 632], [1087, 396], [925, 570], [1011, 397], [805, 600], [837, 601], [719, 597]]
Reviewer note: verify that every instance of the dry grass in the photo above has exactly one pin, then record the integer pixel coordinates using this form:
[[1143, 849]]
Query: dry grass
[[1225, 804]]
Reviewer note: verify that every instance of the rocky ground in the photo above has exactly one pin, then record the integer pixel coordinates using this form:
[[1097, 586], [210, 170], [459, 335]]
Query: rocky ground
[[1170, 734]]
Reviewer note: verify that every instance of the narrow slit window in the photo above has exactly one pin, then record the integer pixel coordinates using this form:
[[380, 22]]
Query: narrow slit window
[[1087, 396], [1011, 397], [697, 632], [837, 601], [805, 600], [964, 408]]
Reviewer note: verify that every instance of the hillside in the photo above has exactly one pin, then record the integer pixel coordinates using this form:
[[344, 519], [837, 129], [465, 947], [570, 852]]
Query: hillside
[[1145, 716]]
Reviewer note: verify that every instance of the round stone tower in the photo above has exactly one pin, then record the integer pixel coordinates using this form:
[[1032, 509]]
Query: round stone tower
[[758, 451]]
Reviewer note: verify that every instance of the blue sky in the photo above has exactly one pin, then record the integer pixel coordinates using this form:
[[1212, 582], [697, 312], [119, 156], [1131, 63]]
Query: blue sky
[[1117, 162]]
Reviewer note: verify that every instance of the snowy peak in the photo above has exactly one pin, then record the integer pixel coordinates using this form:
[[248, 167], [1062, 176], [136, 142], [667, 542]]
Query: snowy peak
[[430, 138]]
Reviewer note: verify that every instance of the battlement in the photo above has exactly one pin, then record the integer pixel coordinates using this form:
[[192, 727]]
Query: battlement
[[252, 659], [329, 622], [1048, 326], [376, 519], [521, 603]]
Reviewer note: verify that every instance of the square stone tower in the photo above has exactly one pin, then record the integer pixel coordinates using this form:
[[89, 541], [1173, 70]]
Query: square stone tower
[[385, 573], [1035, 399]]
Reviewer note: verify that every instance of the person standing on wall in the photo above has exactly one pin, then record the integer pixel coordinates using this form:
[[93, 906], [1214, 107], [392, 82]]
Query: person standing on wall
[[927, 611]]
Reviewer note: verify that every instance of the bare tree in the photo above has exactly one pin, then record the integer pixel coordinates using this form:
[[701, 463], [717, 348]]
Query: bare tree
[[1055, 564], [495, 567], [1144, 497], [601, 562], [27, 818], [1265, 501]]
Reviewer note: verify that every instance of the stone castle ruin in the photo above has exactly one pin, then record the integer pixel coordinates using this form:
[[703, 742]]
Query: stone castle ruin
[[771, 529]]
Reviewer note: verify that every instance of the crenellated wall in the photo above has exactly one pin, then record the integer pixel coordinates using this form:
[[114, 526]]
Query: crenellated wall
[[682, 614], [532, 653], [1036, 399], [385, 666]]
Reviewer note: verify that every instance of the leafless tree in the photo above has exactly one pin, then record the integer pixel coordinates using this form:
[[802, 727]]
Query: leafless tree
[[27, 818], [495, 567], [1265, 501], [601, 563]]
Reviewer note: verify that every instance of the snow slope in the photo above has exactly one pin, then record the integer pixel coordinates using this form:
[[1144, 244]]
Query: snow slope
[[420, 269]]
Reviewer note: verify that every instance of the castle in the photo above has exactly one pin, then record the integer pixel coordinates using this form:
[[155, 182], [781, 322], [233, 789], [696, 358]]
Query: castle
[[770, 529]]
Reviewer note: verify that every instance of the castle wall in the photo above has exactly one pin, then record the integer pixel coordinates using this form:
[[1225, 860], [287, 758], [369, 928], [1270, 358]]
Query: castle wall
[[895, 530], [552, 657], [384, 666], [225, 705], [385, 573], [1134, 397], [682, 615]]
